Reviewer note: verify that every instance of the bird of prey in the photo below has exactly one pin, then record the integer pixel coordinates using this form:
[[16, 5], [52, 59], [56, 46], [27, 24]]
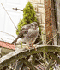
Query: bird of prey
[[30, 33]]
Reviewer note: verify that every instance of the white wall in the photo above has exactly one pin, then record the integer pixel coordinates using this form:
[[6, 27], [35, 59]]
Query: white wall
[[5, 23]]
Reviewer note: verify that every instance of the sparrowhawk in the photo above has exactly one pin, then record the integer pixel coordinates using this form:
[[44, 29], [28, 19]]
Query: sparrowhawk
[[29, 32]]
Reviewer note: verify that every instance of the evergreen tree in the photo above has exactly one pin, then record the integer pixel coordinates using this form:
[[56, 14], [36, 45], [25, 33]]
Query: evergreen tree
[[28, 16]]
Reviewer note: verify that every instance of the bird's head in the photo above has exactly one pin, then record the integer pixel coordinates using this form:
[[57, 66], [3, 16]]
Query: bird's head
[[34, 25]]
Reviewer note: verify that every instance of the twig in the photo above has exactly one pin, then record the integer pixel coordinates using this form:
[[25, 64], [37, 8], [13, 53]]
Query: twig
[[47, 68], [9, 17], [16, 64], [31, 66], [7, 33], [51, 39], [2, 39]]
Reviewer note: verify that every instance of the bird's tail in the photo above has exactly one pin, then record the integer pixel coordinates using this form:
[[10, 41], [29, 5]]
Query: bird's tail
[[16, 39]]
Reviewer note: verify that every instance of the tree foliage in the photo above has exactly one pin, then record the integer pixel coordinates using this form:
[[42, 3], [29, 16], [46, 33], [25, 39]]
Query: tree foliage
[[28, 16]]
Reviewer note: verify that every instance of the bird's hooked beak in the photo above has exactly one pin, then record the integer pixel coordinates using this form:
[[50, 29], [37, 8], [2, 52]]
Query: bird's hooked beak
[[36, 27]]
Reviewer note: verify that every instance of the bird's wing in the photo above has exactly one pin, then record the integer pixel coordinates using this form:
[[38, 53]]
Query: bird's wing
[[24, 30], [31, 33]]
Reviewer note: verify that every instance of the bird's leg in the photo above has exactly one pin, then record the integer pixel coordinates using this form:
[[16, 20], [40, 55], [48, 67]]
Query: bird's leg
[[29, 47], [33, 47]]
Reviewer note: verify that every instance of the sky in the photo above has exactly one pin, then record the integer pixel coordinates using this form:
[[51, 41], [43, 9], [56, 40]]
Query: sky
[[6, 24]]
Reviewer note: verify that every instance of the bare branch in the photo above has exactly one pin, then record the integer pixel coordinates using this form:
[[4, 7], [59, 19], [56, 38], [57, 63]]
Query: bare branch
[[7, 33], [9, 17], [51, 39]]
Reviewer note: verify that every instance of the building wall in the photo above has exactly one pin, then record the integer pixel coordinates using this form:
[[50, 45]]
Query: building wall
[[39, 7], [48, 25], [50, 22], [46, 14], [6, 24]]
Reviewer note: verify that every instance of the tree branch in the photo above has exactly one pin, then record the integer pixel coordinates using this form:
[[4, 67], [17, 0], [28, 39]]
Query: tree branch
[[9, 17], [7, 33]]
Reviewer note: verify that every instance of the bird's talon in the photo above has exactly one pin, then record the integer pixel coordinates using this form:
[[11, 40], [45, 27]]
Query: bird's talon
[[29, 47], [35, 49]]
